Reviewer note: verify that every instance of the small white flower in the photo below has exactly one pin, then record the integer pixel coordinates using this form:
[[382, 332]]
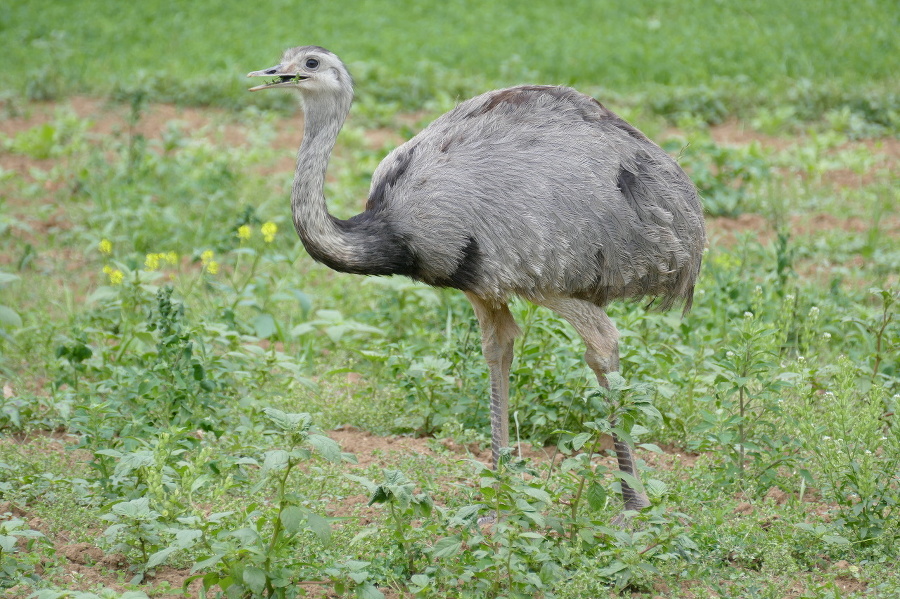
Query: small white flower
[[748, 314], [814, 312], [826, 438], [729, 354], [826, 336], [801, 359], [829, 394], [789, 297], [868, 452]]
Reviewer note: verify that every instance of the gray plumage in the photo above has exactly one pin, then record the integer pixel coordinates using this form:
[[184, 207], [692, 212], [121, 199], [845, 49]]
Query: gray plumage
[[532, 191]]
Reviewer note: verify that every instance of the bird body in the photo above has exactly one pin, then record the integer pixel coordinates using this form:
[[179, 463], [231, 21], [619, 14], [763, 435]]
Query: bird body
[[541, 191], [532, 191]]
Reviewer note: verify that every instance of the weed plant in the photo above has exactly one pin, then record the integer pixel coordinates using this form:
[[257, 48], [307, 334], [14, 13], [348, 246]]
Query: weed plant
[[690, 60], [170, 332]]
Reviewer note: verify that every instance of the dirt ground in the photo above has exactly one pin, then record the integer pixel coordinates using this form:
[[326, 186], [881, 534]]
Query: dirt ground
[[232, 130], [87, 566]]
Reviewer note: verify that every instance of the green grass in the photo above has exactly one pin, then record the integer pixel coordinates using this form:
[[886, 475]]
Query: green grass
[[616, 44], [166, 394], [717, 57], [157, 352]]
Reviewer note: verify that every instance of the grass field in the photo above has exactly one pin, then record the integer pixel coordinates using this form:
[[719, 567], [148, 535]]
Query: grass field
[[189, 404]]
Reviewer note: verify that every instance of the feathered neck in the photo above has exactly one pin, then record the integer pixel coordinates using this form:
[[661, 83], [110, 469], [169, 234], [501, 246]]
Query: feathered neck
[[365, 244]]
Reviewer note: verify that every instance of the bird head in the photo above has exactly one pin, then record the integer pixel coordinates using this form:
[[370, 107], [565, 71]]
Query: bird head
[[309, 69]]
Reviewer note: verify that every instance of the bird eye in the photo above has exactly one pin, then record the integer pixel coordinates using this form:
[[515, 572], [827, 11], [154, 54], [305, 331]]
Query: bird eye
[[312, 63]]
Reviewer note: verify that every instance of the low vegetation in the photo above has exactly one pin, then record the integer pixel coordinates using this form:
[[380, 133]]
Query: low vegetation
[[189, 404]]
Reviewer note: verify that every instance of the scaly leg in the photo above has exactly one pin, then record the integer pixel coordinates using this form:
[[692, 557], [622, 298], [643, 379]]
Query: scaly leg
[[498, 330], [602, 355]]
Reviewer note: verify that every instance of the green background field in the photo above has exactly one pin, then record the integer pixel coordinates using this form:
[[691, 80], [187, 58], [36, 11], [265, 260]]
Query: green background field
[[172, 360], [96, 46]]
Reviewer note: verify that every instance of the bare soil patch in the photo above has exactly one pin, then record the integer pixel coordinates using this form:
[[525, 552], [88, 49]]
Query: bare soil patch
[[90, 567], [885, 152], [374, 450], [727, 231], [229, 129], [734, 133]]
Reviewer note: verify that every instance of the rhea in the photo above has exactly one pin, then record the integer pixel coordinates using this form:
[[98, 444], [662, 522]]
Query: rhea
[[533, 191]]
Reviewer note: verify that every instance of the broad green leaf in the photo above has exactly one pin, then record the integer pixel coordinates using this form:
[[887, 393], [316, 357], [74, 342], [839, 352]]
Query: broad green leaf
[[368, 591], [651, 447], [303, 329], [835, 540], [264, 326], [319, 526], [10, 317], [616, 566], [328, 448], [359, 577], [587, 535], [255, 579], [539, 494], [656, 488], [138, 509], [101, 294], [596, 496], [580, 439], [292, 517], [638, 430], [160, 556], [275, 459], [631, 481], [206, 563], [186, 538], [446, 547], [199, 482]]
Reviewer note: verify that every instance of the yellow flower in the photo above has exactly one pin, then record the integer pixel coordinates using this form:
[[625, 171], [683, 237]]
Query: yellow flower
[[171, 258], [105, 246], [115, 275], [211, 266], [268, 230], [244, 232], [152, 261]]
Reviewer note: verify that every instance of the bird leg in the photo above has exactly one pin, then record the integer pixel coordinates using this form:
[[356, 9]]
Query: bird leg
[[498, 331], [602, 355]]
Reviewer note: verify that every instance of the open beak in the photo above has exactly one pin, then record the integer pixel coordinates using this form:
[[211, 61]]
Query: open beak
[[279, 77]]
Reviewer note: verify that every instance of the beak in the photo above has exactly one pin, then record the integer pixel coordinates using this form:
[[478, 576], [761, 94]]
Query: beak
[[280, 78]]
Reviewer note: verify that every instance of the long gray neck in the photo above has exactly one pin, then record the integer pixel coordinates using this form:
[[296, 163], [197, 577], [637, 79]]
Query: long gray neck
[[365, 244], [317, 229]]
